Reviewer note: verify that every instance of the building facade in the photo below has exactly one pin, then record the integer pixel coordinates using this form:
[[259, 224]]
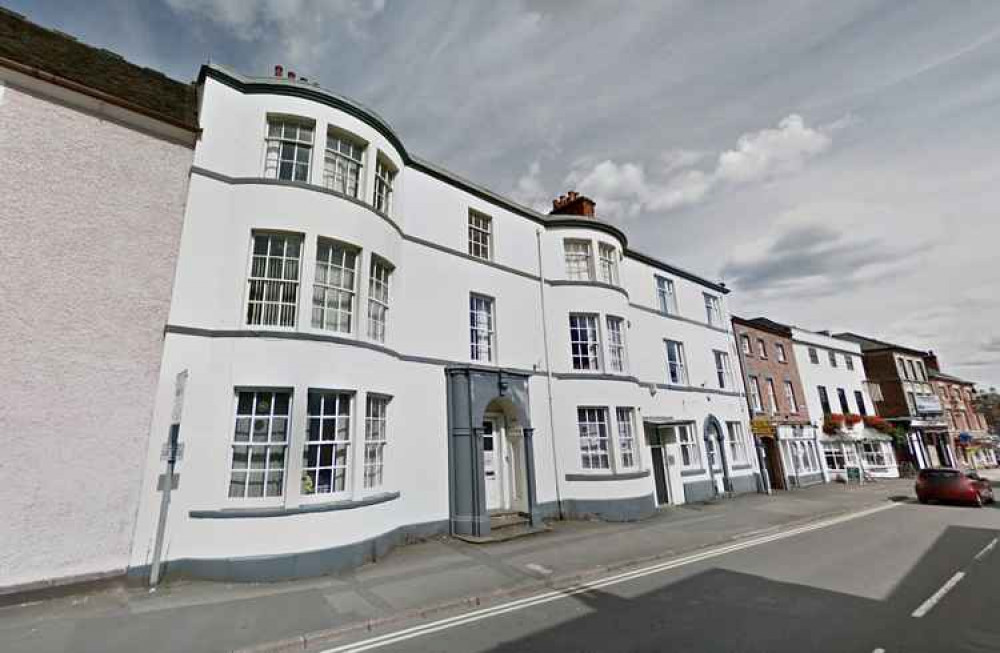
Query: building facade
[[838, 397], [94, 161], [908, 400], [373, 349], [780, 422], [967, 429]]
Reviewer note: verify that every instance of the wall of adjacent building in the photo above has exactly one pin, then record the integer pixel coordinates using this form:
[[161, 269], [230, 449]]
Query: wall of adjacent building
[[91, 213]]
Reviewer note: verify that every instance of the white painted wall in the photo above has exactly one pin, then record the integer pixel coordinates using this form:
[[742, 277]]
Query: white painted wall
[[91, 213], [428, 320]]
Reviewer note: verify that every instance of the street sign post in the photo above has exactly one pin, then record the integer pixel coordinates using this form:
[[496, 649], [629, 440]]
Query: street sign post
[[172, 451]]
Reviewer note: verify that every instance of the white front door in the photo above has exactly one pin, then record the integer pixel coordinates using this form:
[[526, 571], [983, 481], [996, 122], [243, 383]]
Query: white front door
[[715, 461], [494, 469]]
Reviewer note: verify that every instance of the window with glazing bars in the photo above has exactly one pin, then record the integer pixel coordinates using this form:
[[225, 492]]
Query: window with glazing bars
[[723, 370], [617, 360], [480, 235], [690, 452], [608, 256], [666, 296], [676, 368], [342, 164], [333, 292], [289, 146], [713, 310], [585, 343], [384, 177], [578, 260], [273, 282], [626, 436], [260, 439], [481, 328], [736, 443], [594, 448], [790, 396], [375, 440], [328, 438], [378, 298]]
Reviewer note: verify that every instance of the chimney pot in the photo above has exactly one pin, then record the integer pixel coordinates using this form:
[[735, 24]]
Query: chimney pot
[[278, 70], [573, 203], [291, 74]]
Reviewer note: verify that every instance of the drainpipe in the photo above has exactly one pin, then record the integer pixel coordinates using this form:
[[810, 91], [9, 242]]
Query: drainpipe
[[548, 373]]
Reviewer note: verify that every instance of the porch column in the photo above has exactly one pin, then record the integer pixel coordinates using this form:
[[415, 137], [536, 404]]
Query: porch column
[[529, 476]]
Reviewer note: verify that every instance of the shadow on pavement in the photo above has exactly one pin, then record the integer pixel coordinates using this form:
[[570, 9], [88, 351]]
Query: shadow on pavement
[[721, 610]]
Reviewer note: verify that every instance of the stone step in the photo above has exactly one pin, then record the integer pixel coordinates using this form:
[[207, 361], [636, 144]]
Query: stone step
[[500, 521]]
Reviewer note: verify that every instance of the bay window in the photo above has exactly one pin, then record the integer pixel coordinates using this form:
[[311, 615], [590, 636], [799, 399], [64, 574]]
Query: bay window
[[343, 163], [608, 263], [385, 176], [378, 298], [585, 343], [328, 439], [376, 409], [273, 292], [626, 436], [617, 361], [260, 440], [288, 148], [579, 265], [593, 427], [334, 288]]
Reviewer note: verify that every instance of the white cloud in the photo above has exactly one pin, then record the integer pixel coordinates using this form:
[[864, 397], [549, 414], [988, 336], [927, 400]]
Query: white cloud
[[625, 190], [529, 190]]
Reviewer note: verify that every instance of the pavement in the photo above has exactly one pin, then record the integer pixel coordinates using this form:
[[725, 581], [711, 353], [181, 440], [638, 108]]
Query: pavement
[[444, 578]]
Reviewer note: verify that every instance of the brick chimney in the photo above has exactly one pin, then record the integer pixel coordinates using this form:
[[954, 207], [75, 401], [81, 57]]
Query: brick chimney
[[573, 203], [931, 361]]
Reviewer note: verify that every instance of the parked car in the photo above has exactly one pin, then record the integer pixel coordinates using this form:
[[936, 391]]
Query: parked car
[[948, 484]]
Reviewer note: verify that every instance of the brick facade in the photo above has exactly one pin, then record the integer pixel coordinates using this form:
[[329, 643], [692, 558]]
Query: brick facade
[[771, 367]]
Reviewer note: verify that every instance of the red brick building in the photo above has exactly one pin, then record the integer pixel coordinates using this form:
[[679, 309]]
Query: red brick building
[[967, 429], [776, 397]]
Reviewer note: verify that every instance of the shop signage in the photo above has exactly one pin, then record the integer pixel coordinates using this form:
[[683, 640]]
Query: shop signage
[[928, 404], [762, 426]]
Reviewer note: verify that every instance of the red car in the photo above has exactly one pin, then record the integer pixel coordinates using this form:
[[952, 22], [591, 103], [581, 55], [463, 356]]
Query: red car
[[948, 484]]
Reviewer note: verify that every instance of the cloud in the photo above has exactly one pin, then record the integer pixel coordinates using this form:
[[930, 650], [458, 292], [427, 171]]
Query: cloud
[[529, 191], [626, 190], [297, 28], [992, 345]]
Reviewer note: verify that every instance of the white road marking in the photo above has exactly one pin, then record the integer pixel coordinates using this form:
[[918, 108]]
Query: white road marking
[[927, 605], [879, 650], [537, 568], [986, 549], [546, 597]]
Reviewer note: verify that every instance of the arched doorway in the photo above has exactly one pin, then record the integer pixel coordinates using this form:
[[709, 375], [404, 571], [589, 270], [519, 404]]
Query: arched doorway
[[490, 453], [715, 446]]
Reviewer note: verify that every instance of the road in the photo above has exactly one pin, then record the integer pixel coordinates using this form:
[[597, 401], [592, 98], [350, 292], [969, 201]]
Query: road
[[905, 578]]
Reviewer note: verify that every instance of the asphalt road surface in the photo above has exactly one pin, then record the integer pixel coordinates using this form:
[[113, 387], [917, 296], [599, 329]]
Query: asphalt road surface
[[906, 578]]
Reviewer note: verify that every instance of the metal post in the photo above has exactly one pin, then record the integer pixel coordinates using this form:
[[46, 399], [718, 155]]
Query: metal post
[[166, 485]]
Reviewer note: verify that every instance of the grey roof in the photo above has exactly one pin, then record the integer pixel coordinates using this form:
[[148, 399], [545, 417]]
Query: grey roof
[[871, 344], [935, 374], [38, 51]]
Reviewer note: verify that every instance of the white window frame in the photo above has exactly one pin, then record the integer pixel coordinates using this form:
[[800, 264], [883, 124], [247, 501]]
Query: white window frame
[[756, 399], [335, 439], [713, 310], [480, 235], [257, 427], [790, 396], [482, 328], [343, 163], [273, 273], [288, 135], [772, 395], [379, 276], [595, 441], [746, 345], [832, 355], [385, 177], [628, 450], [585, 342], [666, 295], [690, 448], [762, 348], [874, 457], [340, 262], [813, 356], [780, 349], [849, 362], [617, 351], [579, 257], [608, 263], [723, 369], [737, 443], [834, 457], [677, 367], [376, 439]]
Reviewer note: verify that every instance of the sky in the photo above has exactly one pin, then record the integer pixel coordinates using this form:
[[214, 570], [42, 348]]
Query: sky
[[834, 163]]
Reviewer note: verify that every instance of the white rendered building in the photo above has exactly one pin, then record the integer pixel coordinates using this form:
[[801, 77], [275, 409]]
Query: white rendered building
[[837, 395], [376, 349]]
